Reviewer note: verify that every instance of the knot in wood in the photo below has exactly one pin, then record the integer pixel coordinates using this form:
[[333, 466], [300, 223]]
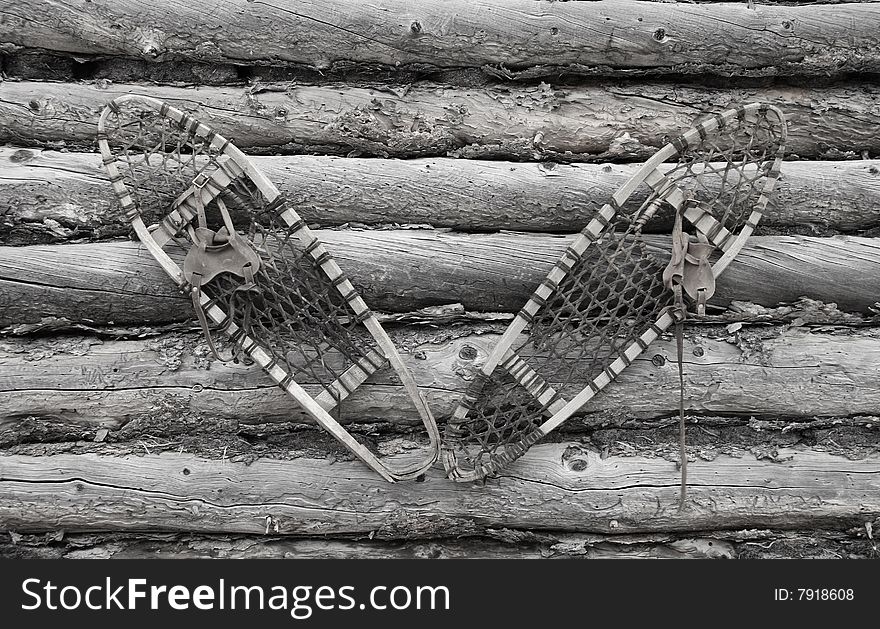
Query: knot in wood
[[21, 155], [467, 352], [577, 465]]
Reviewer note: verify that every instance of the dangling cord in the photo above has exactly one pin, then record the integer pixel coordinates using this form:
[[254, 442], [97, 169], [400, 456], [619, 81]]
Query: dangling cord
[[682, 435], [203, 320], [673, 276], [196, 294], [247, 270], [250, 284]]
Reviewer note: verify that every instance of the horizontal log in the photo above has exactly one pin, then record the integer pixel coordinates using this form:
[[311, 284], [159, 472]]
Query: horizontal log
[[48, 196], [853, 544], [611, 38], [403, 270], [562, 487], [598, 123], [68, 388], [164, 546]]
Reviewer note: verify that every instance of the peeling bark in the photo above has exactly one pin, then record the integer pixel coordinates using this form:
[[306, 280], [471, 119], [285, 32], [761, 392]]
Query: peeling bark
[[598, 123]]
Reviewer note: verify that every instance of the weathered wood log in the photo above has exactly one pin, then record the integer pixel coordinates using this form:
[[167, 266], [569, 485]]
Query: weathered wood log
[[68, 388], [159, 546], [610, 38], [560, 486], [764, 544], [50, 196], [403, 270], [598, 123]]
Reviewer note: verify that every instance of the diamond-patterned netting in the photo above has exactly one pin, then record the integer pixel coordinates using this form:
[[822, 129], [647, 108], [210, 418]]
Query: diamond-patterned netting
[[726, 172], [613, 293], [156, 158], [293, 311]]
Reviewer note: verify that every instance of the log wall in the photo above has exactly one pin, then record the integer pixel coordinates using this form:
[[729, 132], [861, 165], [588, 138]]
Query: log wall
[[446, 152]]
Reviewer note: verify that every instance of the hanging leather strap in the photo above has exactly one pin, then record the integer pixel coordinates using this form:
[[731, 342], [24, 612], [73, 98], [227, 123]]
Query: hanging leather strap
[[196, 295], [214, 253], [682, 434], [689, 272], [673, 278]]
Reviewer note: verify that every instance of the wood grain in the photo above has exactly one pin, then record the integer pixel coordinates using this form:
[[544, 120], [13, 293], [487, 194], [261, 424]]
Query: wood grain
[[403, 270], [749, 544], [606, 38], [50, 196], [590, 123], [562, 487], [179, 546], [746, 544], [68, 387]]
